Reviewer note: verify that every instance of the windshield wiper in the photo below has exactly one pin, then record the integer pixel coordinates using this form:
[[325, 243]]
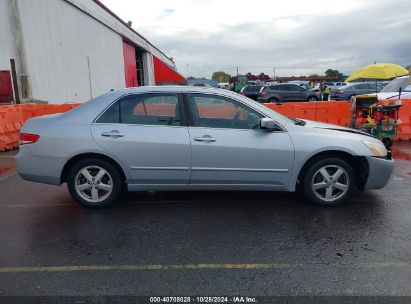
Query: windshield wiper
[[297, 121]]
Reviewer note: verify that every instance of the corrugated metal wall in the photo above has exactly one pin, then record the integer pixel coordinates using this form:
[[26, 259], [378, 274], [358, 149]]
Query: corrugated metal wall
[[70, 56], [73, 50]]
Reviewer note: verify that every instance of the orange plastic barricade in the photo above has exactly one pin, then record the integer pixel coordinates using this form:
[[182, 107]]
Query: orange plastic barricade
[[404, 127], [12, 118], [334, 112], [10, 124]]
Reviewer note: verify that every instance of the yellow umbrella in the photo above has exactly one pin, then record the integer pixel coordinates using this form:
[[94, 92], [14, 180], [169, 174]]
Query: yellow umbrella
[[382, 71]]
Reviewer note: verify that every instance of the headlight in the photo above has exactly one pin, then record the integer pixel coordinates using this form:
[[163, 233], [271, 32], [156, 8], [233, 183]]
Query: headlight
[[376, 147]]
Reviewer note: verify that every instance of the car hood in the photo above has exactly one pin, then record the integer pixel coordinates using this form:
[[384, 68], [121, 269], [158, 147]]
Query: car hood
[[321, 125], [387, 95]]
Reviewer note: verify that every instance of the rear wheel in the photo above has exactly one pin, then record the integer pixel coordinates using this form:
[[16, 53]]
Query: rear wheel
[[94, 183], [329, 182]]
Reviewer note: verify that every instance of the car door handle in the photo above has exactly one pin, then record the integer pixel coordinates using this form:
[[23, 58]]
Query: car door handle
[[206, 138], [113, 134]]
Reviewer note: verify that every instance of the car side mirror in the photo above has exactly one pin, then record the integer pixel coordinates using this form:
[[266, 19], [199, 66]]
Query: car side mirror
[[269, 124]]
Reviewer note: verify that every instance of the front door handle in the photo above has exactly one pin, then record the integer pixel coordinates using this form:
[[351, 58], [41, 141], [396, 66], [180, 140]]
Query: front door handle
[[113, 134], [206, 138]]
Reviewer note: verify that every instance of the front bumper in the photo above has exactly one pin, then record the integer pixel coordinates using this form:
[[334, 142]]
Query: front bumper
[[379, 172]]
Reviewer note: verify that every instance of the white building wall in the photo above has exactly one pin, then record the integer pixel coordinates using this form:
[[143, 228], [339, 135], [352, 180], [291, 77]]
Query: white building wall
[[149, 69], [7, 37], [93, 9], [69, 55], [7, 44]]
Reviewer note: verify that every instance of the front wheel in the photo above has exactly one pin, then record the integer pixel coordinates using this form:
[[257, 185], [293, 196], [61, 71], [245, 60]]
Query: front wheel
[[329, 182], [94, 183], [274, 100]]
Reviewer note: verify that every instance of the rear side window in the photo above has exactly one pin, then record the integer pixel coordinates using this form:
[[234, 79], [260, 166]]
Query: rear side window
[[111, 115], [297, 88], [144, 109]]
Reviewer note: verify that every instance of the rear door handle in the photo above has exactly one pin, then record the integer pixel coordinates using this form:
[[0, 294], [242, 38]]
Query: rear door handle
[[206, 138], [113, 134]]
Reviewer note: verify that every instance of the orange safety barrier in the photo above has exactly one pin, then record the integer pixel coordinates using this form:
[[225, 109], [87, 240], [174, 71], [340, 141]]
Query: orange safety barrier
[[12, 118], [333, 112], [404, 114]]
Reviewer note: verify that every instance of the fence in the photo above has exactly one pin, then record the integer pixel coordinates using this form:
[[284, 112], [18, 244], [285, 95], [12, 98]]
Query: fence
[[12, 117]]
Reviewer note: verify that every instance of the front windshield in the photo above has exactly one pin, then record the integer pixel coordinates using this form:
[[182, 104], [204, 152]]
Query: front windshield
[[395, 85]]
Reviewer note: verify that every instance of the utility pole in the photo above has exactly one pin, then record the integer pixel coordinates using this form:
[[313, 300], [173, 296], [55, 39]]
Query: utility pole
[[187, 70], [274, 73], [237, 71]]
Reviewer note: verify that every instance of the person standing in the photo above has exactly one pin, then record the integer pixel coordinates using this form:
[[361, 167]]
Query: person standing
[[326, 93]]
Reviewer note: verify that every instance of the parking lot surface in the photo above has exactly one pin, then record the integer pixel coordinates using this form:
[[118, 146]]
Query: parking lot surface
[[220, 243]]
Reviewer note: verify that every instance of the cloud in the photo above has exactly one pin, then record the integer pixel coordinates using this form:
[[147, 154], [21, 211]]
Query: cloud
[[296, 37], [165, 14]]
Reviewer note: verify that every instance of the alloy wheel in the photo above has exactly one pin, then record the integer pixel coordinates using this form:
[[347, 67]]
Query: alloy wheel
[[330, 183], [93, 183]]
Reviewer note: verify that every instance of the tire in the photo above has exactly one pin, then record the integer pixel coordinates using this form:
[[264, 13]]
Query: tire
[[274, 100], [312, 98], [387, 142], [327, 193], [92, 190]]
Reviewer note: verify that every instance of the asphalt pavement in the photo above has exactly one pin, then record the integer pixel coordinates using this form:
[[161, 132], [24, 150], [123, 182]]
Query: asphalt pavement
[[199, 243]]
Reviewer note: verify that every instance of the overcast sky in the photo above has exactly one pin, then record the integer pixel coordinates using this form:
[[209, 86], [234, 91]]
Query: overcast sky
[[298, 37]]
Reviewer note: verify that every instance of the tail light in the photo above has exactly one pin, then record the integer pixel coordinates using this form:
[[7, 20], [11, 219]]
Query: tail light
[[242, 93], [26, 138]]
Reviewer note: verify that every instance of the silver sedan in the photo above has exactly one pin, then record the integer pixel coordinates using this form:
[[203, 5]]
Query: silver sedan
[[186, 138]]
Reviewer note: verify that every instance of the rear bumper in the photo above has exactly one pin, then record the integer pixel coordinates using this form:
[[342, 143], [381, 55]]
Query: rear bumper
[[35, 168], [380, 171]]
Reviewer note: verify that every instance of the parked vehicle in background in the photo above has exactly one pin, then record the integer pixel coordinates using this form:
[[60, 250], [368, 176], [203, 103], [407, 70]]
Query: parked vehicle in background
[[224, 85], [392, 89], [316, 88], [251, 91], [349, 91], [335, 85], [286, 92], [301, 83], [191, 138]]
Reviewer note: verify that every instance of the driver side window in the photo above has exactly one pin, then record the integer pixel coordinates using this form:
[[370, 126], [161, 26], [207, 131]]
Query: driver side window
[[213, 111]]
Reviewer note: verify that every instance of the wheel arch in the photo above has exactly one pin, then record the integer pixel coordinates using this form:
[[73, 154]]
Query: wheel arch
[[274, 98], [359, 164], [78, 157]]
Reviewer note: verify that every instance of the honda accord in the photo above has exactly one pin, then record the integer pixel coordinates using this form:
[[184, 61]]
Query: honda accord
[[191, 138]]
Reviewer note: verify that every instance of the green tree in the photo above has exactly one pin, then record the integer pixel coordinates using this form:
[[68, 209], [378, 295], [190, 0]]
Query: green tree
[[221, 76], [334, 73]]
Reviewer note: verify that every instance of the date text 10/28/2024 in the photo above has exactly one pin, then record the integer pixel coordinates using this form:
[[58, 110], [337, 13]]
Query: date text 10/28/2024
[[199, 299]]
